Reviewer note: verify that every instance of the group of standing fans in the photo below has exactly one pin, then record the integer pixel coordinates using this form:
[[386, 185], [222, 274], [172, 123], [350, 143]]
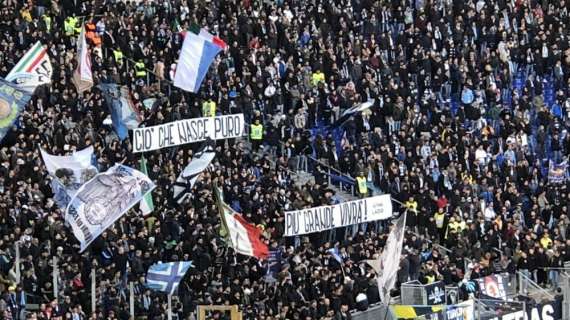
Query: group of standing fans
[[471, 105]]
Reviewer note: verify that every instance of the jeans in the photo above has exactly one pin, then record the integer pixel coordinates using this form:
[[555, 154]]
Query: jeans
[[302, 163], [524, 284], [553, 276]]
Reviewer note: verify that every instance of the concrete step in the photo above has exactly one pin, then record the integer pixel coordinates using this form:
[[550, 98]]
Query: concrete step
[[302, 177], [342, 194]]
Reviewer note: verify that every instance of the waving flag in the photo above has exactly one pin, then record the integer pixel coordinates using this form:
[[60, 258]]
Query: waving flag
[[166, 277], [12, 101], [124, 113], [82, 77], [352, 111], [69, 173], [187, 179], [390, 259], [335, 254], [33, 69], [105, 199], [244, 237], [199, 50], [146, 205]]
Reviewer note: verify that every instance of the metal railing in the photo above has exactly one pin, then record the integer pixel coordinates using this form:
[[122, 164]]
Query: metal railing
[[525, 283], [334, 176], [128, 62], [565, 287]]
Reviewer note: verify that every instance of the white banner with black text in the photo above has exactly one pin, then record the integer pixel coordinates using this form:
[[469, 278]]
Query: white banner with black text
[[188, 131], [339, 215]]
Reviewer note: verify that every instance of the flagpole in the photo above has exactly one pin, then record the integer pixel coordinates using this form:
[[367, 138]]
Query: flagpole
[[17, 263], [54, 278], [131, 300], [169, 307], [93, 290]]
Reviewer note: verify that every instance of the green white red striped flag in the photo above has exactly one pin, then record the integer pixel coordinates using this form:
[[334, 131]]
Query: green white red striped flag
[[146, 205], [33, 69]]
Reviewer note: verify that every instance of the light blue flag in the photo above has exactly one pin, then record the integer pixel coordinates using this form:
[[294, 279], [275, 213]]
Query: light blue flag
[[166, 277], [124, 113], [335, 254]]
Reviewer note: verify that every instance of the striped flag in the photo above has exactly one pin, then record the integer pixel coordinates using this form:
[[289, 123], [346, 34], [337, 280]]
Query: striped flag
[[82, 77], [146, 205], [199, 50], [244, 237], [352, 111], [33, 69], [166, 277], [185, 182]]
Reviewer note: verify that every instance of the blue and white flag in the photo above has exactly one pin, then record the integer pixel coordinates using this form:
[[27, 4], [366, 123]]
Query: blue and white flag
[[199, 50], [124, 113], [335, 254], [351, 112], [69, 173], [185, 182], [103, 200], [12, 102], [166, 277]]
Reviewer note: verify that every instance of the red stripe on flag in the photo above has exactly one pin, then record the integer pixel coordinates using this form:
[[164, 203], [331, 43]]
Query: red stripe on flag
[[260, 249], [38, 59], [219, 42]]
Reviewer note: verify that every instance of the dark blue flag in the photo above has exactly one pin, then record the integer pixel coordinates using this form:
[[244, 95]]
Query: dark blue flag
[[12, 102]]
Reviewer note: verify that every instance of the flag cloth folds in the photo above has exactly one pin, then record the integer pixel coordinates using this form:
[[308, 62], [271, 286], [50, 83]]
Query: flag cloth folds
[[33, 69], [82, 77], [199, 50], [69, 173], [124, 113], [146, 205], [187, 179], [105, 199], [390, 259], [12, 101], [244, 237], [166, 277]]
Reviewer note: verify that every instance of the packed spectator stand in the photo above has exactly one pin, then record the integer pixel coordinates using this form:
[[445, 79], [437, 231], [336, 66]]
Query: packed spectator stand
[[469, 116]]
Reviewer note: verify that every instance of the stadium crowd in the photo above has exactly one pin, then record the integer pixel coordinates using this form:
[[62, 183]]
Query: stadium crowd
[[470, 100]]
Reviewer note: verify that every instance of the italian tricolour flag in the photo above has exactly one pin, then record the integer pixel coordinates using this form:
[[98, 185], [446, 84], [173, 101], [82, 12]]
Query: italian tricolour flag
[[244, 237], [198, 52]]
